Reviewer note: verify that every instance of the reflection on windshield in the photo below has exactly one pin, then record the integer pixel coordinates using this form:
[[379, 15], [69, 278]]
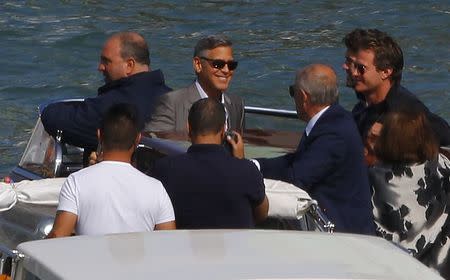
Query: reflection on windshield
[[39, 156]]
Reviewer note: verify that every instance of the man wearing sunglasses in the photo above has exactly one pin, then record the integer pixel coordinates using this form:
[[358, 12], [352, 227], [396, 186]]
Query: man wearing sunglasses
[[328, 162], [374, 65], [214, 66]]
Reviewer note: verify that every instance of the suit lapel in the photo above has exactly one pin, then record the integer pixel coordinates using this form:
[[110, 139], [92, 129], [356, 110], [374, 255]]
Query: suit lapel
[[192, 95]]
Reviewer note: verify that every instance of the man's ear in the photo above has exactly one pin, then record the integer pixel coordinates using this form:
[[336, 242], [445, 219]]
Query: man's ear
[[99, 135], [386, 73], [130, 64], [138, 139], [188, 127], [304, 96], [222, 132], [197, 64]]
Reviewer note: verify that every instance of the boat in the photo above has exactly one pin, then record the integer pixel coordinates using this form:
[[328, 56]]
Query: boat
[[312, 251], [215, 254], [29, 202]]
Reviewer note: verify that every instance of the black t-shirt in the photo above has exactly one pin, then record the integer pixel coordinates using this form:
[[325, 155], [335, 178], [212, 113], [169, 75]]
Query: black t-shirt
[[211, 189], [397, 97]]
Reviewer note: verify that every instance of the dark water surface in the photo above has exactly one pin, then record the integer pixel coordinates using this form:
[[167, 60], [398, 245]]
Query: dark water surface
[[49, 49]]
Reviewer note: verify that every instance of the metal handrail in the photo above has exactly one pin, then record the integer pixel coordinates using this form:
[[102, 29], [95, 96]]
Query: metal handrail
[[271, 112], [322, 220], [15, 257]]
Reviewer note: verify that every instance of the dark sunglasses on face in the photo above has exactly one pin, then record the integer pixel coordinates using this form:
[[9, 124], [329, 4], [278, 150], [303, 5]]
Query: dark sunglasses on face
[[219, 63], [292, 90], [360, 68]]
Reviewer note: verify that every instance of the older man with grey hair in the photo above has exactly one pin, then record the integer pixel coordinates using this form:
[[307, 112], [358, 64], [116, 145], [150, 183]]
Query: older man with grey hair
[[328, 162], [214, 66]]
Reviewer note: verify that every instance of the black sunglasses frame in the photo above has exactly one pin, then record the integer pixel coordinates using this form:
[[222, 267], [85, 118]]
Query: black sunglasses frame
[[360, 68], [219, 63], [292, 90]]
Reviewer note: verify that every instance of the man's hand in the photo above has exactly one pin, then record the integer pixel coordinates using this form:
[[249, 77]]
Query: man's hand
[[237, 145], [94, 158]]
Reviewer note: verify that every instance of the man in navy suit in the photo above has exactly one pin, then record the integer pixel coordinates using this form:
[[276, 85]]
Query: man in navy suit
[[328, 162], [125, 64]]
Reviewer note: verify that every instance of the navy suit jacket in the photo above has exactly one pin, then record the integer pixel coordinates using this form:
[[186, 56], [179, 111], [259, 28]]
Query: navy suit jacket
[[79, 120], [329, 165]]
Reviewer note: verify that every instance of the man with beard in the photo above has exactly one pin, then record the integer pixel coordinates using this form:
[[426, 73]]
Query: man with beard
[[125, 64]]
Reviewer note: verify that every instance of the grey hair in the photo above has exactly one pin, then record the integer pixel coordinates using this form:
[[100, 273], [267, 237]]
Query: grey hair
[[133, 44], [321, 86], [211, 42]]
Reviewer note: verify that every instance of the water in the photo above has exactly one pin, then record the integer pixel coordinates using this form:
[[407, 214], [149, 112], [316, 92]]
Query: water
[[49, 49]]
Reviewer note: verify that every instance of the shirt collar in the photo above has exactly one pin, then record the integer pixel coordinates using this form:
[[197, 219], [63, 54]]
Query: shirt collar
[[313, 120], [203, 93]]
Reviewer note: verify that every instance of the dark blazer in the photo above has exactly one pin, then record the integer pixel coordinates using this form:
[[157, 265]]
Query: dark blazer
[[211, 189], [172, 110], [398, 97], [80, 120], [329, 165]]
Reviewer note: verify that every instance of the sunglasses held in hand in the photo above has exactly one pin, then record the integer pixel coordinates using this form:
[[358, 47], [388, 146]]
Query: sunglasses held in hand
[[219, 63]]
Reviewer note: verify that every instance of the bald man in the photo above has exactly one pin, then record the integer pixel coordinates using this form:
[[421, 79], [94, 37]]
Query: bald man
[[125, 65], [328, 162]]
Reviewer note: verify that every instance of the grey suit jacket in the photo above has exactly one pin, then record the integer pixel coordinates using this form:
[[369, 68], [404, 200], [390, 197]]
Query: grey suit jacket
[[172, 109]]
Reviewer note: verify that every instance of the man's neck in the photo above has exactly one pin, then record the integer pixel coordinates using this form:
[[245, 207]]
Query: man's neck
[[313, 110], [211, 92], [314, 117], [139, 69], [122, 156], [378, 95], [207, 139]]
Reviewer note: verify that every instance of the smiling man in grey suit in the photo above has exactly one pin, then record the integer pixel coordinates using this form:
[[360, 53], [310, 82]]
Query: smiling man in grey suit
[[214, 66]]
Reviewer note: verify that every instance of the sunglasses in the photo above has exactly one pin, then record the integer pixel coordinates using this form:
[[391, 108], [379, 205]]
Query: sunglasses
[[219, 63], [292, 90], [360, 68]]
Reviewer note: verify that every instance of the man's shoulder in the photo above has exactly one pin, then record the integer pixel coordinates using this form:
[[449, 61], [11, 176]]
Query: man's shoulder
[[235, 99], [242, 166], [181, 92], [336, 114], [143, 82], [338, 122], [401, 96], [180, 96], [169, 162]]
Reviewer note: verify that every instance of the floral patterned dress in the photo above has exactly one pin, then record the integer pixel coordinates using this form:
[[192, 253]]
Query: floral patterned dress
[[411, 208]]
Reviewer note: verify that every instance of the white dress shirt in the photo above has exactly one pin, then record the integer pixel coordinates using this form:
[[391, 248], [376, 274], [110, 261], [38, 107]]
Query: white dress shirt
[[309, 127], [204, 95]]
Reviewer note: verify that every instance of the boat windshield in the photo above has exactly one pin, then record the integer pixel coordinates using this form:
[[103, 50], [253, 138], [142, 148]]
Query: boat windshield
[[44, 156]]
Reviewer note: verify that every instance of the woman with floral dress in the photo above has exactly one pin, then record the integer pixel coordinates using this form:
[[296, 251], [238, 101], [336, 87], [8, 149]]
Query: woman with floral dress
[[411, 189]]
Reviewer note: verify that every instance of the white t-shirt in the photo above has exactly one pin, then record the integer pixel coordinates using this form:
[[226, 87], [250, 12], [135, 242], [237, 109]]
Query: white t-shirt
[[113, 197]]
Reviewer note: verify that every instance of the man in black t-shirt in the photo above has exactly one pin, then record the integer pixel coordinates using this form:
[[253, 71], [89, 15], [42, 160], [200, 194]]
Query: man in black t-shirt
[[210, 188], [374, 65]]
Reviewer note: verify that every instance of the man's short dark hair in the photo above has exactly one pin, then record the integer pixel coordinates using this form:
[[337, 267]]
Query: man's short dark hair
[[119, 127], [211, 42], [206, 116], [388, 53], [133, 44]]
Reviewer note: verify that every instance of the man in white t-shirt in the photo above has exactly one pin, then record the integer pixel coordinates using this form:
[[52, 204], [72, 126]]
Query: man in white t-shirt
[[112, 196]]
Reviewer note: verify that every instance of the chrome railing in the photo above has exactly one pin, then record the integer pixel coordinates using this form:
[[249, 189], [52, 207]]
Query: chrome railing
[[271, 112], [8, 261]]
